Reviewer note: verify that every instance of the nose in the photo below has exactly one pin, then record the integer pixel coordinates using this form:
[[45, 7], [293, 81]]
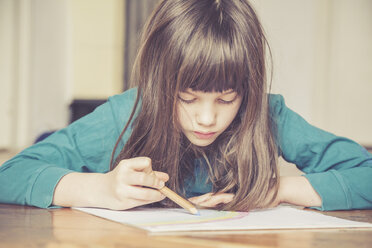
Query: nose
[[206, 116]]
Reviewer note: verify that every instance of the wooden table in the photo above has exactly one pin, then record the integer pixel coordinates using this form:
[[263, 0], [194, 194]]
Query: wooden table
[[33, 227]]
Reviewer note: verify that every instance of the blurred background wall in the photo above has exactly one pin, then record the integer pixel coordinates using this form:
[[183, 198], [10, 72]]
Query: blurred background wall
[[55, 52]]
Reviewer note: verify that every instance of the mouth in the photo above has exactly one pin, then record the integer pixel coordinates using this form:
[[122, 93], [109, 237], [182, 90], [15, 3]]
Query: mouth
[[202, 135]]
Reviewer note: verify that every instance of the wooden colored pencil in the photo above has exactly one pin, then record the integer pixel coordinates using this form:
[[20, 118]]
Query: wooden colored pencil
[[179, 200]]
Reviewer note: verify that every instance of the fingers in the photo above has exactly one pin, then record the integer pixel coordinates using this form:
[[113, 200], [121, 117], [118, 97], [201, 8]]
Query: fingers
[[162, 176], [143, 179], [137, 164], [197, 200], [138, 171], [133, 196], [147, 195], [212, 200], [132, 183]]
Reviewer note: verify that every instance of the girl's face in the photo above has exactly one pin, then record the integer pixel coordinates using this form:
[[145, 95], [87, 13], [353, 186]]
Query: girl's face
[[203, 116]]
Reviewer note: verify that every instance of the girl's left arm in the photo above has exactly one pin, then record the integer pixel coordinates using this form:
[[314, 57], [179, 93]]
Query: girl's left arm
[[338, 170], [297, 190]]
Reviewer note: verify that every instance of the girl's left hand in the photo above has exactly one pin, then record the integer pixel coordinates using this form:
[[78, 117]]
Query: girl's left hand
[[211, 200]]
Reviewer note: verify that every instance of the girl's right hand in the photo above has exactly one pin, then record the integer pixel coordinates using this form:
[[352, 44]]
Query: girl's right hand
[[133, 184]]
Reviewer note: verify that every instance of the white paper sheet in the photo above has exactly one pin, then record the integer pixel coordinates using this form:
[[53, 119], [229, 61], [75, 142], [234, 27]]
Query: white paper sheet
[[160, 220]]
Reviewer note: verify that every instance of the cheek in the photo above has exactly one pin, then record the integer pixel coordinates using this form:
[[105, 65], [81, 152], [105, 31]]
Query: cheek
[[182, 116], [230, 115]]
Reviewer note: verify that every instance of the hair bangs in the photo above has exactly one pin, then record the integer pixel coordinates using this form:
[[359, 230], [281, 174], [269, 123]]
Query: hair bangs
[[211, 63]]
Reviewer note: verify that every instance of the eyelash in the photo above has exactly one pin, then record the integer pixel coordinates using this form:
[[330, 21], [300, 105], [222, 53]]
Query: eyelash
[[226, 102], [186, 101], [219, 100]]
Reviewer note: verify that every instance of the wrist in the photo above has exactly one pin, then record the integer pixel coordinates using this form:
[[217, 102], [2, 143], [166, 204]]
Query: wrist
[[283, 193], [298, 191], [80, 190]]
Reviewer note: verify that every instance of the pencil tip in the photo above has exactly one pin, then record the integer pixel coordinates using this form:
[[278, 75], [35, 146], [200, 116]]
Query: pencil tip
[[194, 211]]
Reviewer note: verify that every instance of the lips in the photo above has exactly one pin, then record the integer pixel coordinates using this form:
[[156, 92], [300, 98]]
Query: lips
[[202, 135]]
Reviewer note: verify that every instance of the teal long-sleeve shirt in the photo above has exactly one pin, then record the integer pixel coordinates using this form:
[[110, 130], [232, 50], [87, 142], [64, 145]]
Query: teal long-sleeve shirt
[[339, 169]]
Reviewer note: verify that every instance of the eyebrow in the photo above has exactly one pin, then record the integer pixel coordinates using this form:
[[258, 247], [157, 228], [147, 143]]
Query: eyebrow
[[229, 92]]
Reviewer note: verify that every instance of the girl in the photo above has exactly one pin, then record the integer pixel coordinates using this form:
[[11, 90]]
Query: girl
[[200, 118]]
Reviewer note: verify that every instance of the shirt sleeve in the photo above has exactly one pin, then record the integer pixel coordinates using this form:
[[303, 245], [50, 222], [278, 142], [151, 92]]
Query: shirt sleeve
[[86, 145], [339, 169]]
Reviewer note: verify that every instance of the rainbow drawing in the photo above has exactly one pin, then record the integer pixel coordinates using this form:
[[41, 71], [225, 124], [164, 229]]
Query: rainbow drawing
[[206, 216]]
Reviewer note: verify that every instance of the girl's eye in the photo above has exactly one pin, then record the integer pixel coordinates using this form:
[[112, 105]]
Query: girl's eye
[[227, 101], [186, 100]]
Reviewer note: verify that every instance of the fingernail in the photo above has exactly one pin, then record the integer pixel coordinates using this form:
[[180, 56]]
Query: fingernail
[[161, 184]]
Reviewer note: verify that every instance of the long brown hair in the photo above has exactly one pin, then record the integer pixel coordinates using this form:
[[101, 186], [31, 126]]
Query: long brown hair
[[205, 45]]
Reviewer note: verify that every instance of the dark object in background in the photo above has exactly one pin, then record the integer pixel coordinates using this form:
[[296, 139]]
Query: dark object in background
[[79, 108], [43, 136]]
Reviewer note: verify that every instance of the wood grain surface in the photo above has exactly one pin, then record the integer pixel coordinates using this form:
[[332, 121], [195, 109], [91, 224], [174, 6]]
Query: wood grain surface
[[22, 226]]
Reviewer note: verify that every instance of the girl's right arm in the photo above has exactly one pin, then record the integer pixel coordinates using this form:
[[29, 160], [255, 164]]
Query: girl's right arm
[[73, 155], [129, 185]]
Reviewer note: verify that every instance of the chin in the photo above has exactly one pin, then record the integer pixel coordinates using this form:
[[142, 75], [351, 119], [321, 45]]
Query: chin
[[201, 143]]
